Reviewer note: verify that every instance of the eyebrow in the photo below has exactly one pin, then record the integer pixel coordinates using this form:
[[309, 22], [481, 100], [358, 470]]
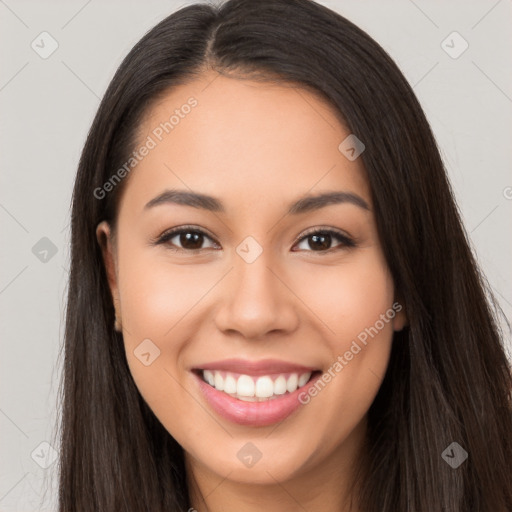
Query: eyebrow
[[212, 204]]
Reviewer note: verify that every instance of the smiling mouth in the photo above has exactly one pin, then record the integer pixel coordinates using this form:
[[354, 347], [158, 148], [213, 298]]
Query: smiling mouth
[[260, 388]]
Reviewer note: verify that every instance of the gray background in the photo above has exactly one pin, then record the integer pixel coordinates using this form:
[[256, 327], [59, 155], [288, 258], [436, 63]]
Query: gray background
[[47, 106]]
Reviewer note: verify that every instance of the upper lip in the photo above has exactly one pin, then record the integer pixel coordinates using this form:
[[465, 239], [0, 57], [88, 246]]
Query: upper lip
[[261, 367]]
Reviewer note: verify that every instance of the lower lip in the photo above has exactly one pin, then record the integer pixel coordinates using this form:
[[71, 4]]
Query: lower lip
[[255, 414]]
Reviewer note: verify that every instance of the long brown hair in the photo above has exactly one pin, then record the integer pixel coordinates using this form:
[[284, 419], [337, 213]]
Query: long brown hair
[[448, 379]]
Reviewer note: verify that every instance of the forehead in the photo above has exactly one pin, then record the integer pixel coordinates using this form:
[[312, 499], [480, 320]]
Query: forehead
[[242, 139]]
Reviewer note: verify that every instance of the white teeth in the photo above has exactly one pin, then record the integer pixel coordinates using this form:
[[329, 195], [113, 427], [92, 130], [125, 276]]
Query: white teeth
[[244, 386], [303, 379], [208, 377], [248, 398], [219, 381], [254, 389], [230, 384], [264, 387], [291, 383], [280, 385]]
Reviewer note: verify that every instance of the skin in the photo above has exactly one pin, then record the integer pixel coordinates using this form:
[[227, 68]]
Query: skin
[[257, 147]]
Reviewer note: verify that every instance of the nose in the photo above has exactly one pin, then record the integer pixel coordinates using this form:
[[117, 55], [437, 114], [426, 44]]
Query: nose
[[257, 301]]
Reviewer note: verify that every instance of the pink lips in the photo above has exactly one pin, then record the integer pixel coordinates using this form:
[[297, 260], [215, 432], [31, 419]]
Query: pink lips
[[256, 414], [263, 367]]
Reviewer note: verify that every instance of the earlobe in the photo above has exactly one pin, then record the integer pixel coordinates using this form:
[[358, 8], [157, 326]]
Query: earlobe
[[400, 320]]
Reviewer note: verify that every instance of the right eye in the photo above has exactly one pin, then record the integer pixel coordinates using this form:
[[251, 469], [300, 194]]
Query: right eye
[[190, 238]]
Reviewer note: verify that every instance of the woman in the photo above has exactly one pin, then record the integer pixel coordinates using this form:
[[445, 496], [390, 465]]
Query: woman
[[272, 300]]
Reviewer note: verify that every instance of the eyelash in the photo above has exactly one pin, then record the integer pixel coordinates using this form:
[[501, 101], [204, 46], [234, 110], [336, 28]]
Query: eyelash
[[346, 241]]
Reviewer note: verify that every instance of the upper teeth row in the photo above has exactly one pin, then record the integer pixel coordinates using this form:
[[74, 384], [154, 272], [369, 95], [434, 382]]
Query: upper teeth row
[[261, 387]]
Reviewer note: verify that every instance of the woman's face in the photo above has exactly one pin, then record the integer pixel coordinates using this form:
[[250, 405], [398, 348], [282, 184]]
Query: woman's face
[[257, 286]]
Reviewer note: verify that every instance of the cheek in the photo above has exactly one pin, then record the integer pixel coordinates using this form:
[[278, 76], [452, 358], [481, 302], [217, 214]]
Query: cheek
[[353, 305], [160, 302], [347, 297], [156, 297], [156, 294]]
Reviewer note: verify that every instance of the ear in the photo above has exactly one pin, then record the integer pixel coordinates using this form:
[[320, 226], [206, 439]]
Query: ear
[[400, 319], [104, 237]]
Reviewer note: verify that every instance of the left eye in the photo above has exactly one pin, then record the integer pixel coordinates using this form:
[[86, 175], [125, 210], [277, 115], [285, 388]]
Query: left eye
[[192, 239], [321, 239]]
